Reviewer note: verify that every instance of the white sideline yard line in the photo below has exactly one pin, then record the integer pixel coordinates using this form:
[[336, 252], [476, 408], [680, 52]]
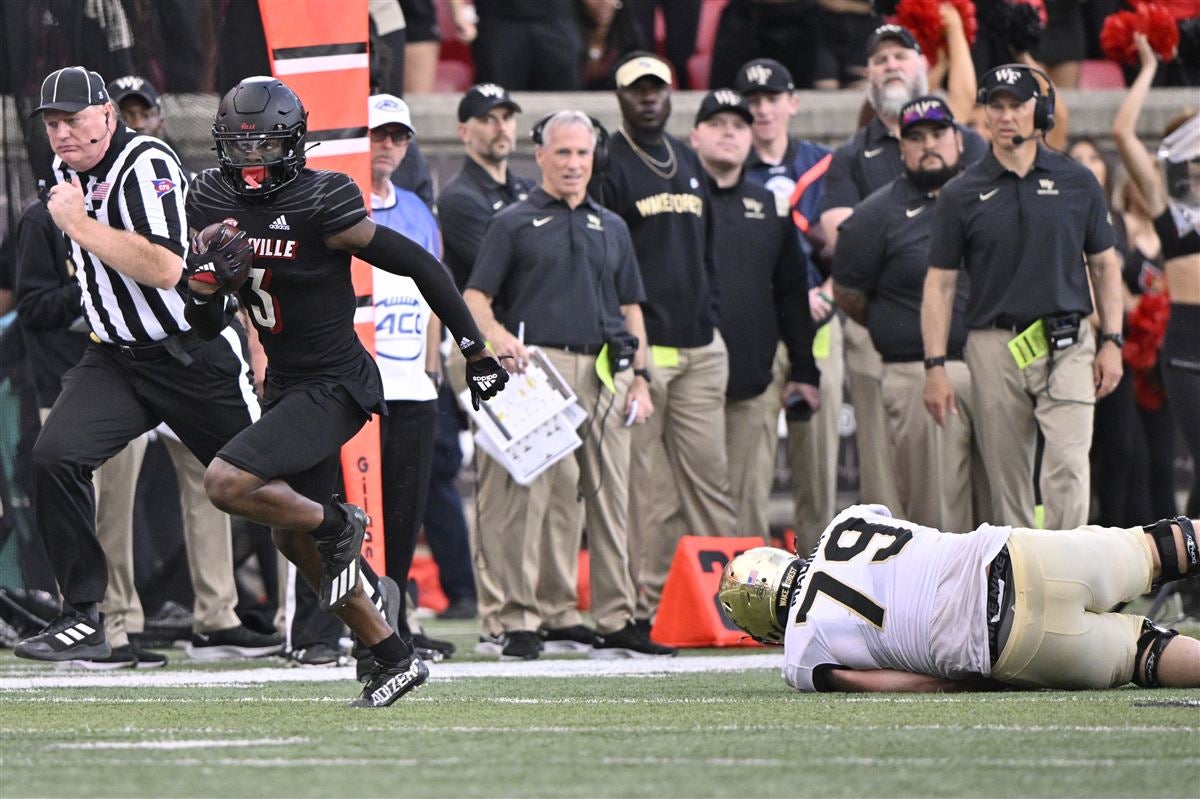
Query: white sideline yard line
[[196, 743], [172, 677]]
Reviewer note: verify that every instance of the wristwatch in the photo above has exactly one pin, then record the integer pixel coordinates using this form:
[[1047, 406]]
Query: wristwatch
[[931, 363], [1115, 338], [644, 374]]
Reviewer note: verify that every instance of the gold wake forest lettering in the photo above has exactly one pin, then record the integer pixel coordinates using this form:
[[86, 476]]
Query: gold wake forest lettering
[[667, 203]]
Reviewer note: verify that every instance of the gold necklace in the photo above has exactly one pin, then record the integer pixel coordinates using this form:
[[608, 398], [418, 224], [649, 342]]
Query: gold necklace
[[664, 169]]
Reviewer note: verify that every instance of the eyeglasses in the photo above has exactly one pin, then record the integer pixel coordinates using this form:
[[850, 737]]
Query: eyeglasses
[[397, 135]]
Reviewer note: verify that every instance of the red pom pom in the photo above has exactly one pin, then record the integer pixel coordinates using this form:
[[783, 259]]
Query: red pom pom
[[924, 20], [1151, 19]]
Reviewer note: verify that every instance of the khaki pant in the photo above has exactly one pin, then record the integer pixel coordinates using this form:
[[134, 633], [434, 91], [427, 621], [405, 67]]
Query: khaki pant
[[864, 369], [751, 437], [206, 533], [679, 473], [1066, 581], [932, 464], [813, 445], [1060, 402], [518, 541]]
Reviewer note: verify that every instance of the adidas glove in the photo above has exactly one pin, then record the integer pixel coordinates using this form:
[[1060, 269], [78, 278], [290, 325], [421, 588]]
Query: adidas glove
[[221, 256], [485, 379]]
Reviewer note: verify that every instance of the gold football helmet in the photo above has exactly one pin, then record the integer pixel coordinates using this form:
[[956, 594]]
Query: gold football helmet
[[756, 591]]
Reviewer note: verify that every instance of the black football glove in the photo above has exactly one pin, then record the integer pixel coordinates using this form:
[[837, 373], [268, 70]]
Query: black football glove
[[485, 379], [222, 260]]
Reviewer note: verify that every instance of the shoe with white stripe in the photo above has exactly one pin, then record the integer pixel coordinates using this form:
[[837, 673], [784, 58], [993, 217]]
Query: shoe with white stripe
[[340, 555], [387, 682], [71, 636], [387, 602]]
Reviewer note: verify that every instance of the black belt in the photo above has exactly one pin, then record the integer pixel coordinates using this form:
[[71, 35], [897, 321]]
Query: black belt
[[1001, 602], [174, 347], [1012, 323], [952, 356], [578, 349]]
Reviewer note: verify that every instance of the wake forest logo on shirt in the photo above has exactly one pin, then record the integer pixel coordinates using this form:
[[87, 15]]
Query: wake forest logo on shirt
[[754, 208], [667, 203]]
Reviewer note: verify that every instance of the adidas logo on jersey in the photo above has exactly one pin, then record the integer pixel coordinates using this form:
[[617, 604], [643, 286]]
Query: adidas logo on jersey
[[279, 224]]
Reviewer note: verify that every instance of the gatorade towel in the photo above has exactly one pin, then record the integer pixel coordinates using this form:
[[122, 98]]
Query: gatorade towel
[[319, 49]]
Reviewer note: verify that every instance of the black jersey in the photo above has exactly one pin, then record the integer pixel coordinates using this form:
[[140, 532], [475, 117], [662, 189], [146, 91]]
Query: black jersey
[[299, 294], [670, 223]]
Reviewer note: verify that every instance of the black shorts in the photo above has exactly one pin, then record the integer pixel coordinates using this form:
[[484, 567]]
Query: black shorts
[[299, 438], [842, 55], [420, 21]]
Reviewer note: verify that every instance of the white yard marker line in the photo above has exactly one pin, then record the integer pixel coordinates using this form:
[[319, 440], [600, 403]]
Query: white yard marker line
[[174, 678], [212, 743]]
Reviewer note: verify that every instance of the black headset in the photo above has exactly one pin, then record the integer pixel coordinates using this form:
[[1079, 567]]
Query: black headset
[[599, 156], [1043, 109]]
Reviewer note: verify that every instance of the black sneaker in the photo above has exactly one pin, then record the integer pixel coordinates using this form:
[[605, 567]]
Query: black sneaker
[[71, 636], [387, 602], [387, 682], [521, 645], [642, 627], [121, 657], [460, 609], [431, 649], [145, 658], [340, 555], [236, 642], [627, 643], [316, 656], [575, 638], [489, 645]]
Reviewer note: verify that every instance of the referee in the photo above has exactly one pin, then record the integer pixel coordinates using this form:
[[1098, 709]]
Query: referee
[[118, 199]]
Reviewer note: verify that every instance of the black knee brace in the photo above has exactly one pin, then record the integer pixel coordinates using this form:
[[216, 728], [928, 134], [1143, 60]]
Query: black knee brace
[[1155, 640], [1164, 539]]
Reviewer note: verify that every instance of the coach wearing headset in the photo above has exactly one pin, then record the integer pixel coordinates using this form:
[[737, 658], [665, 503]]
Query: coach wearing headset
[[1023, 222]]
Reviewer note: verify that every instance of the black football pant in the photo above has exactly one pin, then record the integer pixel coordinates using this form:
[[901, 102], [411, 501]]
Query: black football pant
[[107, 400]]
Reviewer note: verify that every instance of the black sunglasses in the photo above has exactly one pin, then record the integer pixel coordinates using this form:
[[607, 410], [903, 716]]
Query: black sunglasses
[[397, 135]]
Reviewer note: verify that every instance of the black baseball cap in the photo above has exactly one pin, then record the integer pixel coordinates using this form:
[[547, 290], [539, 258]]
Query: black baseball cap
[[927, 110], [483, 97], [724, 100], [1012, 78], [71, 89], [895, 33], [133, 86], [763, 75]]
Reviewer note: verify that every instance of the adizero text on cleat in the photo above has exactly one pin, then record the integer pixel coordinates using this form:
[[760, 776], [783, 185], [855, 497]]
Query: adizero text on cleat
[[388, 682]]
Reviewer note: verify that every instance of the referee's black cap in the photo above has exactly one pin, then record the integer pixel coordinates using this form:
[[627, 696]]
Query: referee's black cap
[[71, 89], [122, 89]]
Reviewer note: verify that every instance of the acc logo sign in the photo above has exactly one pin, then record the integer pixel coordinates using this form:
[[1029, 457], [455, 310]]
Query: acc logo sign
[[759, 74], [1008, 75]]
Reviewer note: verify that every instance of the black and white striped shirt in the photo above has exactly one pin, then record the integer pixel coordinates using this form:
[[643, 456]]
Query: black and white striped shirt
[[138, 186]]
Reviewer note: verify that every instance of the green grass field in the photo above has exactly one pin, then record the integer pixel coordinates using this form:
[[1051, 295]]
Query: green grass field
[[716, 732]]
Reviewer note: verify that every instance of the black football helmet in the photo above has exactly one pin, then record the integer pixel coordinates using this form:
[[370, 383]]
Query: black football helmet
[[259, 132]]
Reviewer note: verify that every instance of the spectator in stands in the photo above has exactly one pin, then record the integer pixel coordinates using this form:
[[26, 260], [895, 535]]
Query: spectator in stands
[[788, 31], [528, 45], [487, 126], [844, 26], [610, 31], [681, 21], [422, 44]]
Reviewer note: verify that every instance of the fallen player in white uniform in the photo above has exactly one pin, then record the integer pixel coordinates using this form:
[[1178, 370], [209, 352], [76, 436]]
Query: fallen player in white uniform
[[884, 604]]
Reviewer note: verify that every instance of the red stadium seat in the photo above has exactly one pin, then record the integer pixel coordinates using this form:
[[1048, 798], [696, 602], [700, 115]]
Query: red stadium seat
[[453, 76], [1099, 74]]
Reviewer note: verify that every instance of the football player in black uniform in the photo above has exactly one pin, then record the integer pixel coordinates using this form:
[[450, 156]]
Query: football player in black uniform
[[322, 385]]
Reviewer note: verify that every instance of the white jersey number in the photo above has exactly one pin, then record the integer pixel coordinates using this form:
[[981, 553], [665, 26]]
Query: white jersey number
[[264, 308]]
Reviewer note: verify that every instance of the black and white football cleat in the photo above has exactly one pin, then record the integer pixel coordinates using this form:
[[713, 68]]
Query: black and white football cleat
[[387, 682]]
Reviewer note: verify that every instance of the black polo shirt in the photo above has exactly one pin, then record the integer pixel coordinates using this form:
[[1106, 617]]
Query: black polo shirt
[[871, 159], [565, 272], [669, 220], [465, 206], [764, 288], [883, 251], [1022, 240]]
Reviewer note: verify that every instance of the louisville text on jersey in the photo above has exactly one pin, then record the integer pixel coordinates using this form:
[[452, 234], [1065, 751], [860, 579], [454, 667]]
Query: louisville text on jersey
[[274, 248]]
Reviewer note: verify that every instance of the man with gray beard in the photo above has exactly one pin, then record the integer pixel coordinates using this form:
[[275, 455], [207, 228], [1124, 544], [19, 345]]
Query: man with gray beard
[[896, 75]]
